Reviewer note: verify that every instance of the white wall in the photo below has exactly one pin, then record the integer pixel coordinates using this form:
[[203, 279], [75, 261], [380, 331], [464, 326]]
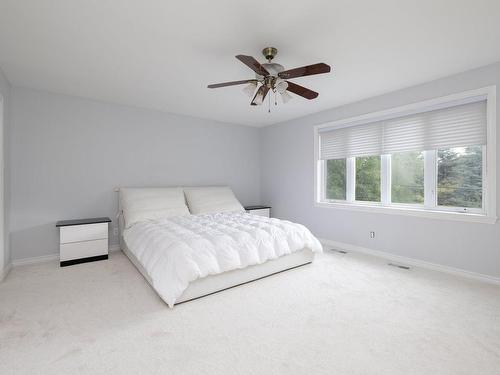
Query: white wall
[[287, 176], [5, 90], [67, 154]]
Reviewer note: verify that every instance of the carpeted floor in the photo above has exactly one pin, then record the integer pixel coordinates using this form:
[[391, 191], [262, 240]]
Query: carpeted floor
[[345, 314]]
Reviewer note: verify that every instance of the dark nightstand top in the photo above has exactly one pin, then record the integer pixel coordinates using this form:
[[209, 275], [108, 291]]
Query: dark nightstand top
[[94, 220], [250, 208]]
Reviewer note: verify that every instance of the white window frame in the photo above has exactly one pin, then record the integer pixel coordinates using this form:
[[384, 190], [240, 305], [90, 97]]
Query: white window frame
[[429, 209]]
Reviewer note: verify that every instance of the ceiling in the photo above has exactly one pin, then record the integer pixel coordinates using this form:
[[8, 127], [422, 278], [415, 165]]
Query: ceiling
[[162, 54]]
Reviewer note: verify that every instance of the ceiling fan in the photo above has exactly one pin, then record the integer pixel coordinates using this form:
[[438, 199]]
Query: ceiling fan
[[273, 77]]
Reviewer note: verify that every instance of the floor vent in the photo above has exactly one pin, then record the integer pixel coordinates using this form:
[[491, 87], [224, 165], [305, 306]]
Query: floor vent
[[339, 251], [399, 266]]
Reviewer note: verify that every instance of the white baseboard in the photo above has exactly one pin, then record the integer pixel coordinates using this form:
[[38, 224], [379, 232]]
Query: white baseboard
[[49, 257], [411, 261], [114, 248], [33, 260], [5, 272]]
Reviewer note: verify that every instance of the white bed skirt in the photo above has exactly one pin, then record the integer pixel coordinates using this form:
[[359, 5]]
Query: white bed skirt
[[216, 283]]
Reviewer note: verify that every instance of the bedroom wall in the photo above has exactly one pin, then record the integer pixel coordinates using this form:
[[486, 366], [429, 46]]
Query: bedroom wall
[[67, 155], [288, 178], [5, 92]]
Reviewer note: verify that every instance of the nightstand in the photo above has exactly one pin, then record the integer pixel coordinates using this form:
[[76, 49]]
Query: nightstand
[[83, 240], [259, 210]]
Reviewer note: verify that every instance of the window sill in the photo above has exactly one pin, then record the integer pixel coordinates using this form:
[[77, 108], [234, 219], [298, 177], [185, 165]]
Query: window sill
[[408, 211]]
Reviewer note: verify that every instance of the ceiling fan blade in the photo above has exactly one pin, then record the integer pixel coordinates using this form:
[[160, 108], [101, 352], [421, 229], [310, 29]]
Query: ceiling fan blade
[[308, 70], [260, 95], [302, 91], [232, 83], [253, 64]]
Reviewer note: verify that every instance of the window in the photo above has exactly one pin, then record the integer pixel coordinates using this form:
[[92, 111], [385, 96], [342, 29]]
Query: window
[[368, 178], [407, 177], [429, 159], [336, 179], [460, 177]]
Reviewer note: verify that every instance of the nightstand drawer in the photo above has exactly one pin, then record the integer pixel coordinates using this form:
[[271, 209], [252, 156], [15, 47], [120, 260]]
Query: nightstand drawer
[[86, 232], [85, 249], [260, 212]]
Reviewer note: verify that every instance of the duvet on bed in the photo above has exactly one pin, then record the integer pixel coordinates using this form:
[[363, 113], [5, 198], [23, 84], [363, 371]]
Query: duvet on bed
[[178, 250]]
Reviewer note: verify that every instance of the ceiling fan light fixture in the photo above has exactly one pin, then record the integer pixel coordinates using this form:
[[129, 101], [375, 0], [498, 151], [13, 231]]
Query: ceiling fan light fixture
[[281, 86], [250, 89], [258, 98], [286, 97]]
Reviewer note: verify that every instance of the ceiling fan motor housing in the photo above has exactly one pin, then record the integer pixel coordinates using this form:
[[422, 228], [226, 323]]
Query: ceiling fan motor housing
[[272, 68]]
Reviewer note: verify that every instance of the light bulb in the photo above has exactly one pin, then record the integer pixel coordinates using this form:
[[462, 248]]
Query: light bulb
[[281, 86], [285, 96], [250, 89]]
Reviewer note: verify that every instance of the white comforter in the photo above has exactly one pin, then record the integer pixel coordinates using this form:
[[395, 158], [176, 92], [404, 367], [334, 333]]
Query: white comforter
[[181, 249]]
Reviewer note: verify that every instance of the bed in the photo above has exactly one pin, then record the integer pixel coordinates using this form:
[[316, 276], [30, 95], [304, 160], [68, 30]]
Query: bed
[[192, 242]]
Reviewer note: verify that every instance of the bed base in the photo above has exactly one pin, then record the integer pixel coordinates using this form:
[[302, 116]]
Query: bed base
[[243, 283], [212, 284]]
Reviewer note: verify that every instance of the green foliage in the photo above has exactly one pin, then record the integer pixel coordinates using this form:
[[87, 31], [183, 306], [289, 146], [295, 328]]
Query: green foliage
[[407, 179], [368, 178], [336, 179], [460, 177]]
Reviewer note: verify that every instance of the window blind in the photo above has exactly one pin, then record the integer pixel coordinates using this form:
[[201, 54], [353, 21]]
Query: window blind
[[457, 126]]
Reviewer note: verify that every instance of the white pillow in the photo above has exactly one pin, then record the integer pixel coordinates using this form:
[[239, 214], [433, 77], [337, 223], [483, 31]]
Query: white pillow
[[139, 204], [204, 200]]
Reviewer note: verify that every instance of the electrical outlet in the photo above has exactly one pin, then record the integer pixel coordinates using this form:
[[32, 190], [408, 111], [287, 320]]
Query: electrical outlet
[[115, 231], [372, 234]]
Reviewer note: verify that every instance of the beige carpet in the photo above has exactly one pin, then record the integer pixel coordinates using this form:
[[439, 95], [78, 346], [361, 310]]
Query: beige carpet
[[345, 314]]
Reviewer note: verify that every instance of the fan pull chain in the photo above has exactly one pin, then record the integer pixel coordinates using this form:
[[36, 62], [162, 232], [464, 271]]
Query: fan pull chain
[[269, 104]]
